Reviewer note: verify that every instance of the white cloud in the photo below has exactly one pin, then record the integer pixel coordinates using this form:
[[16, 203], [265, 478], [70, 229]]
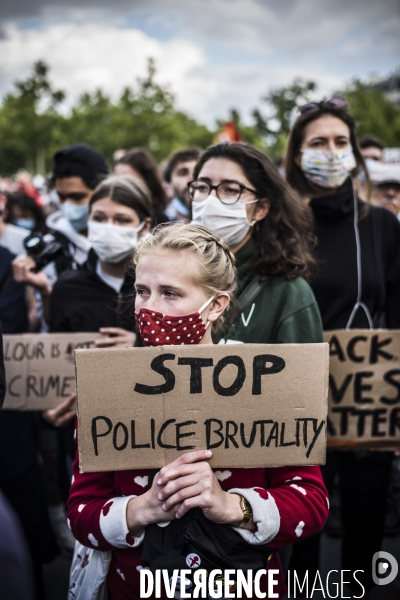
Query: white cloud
[[89, 56], [214, 54], [85, 57]]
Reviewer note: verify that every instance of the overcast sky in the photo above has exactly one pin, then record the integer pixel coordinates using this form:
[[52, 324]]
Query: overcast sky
[[215, 54]]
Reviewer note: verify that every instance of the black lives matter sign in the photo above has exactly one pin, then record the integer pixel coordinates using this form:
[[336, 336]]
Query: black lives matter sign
[[364, 388], [253, 405]]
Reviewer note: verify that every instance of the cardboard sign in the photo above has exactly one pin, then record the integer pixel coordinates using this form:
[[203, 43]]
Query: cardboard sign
[[40, 369], [364, 388], [253, 405]]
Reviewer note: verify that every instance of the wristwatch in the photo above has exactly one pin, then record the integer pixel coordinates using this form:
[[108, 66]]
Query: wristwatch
[[247, 511]]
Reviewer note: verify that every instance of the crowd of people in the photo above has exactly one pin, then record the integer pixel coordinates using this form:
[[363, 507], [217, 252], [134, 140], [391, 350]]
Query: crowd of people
[[318, 247]]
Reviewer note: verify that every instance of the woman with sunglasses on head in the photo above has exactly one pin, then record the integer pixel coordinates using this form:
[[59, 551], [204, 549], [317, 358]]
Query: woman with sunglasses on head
[[358, 286], [239, 195], [185, 273]]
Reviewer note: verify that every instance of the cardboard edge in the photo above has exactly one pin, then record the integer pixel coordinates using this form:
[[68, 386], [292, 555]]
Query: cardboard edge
[[77, 411]]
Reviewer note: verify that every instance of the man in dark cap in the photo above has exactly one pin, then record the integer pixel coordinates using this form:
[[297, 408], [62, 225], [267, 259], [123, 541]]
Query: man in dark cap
[[77, 170]]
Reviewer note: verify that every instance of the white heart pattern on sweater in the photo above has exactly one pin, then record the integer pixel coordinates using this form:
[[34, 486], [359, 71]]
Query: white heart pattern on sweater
[[222, 475], [141, 480]]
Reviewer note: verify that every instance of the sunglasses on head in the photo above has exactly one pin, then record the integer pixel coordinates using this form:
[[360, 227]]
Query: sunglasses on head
[[333, 102]]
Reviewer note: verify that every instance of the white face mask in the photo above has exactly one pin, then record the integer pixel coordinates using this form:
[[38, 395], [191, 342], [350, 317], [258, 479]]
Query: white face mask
[[113, 243], [228, 221], [328, 169]]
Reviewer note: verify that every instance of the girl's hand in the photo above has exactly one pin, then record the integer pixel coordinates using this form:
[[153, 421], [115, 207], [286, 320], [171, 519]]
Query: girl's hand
[[189, 482], [147, 509], [62, 414], [121, 338]]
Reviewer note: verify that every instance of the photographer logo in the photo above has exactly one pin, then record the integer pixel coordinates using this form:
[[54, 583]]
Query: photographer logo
[[384, 568]]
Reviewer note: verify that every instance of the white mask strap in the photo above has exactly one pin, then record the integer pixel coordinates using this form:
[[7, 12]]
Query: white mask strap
[[206, 304]]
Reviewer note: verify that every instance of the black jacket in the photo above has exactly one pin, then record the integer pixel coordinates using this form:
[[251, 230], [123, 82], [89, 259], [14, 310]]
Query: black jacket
[[13, 307], [335, 286], [81, 301], [2, 372]]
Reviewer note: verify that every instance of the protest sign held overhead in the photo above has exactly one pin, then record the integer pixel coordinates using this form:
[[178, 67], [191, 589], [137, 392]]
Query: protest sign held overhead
[[254, 405], [40, 370], [364, 388]]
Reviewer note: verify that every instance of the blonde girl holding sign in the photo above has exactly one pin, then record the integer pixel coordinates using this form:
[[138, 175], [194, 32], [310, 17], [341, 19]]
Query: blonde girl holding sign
[[186, 274]]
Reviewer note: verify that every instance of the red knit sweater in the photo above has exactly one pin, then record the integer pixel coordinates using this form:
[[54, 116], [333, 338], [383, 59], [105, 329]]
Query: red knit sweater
[[289, 503]]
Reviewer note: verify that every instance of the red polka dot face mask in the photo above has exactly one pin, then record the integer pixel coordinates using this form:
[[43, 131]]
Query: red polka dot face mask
[[157, 329]]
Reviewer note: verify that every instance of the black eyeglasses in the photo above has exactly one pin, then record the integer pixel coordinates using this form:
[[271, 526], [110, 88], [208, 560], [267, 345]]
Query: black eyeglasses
[[333, 102], [228, 192]]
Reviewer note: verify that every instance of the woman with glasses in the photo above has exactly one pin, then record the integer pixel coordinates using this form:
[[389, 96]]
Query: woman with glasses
[[239, 195], [357, 285]]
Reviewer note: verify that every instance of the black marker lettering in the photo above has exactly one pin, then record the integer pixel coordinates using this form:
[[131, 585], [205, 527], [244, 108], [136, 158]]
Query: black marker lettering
[[55, 350], [351, 348], [376, 349], [66, 383], [260, 369], [31, 381], [125, 438], [377, 420], [335, 349], [273, 435], [134, 445], [317, 431], [231, 436], [180, 435], [157, 365], [53, 383], [360, 387], [237, 385], [389, 378], [10, 386], [207, 423], [163, 428], [96, 435], [344, 412], [282, 440], [196, 365], [339, 392], [394, 422]]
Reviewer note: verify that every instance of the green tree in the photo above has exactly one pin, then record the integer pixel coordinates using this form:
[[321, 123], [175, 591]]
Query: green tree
[[280, 104], [29, 122], [145, 116], [375, 114]]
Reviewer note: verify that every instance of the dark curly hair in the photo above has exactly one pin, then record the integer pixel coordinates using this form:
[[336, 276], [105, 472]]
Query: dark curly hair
[[283, 240]]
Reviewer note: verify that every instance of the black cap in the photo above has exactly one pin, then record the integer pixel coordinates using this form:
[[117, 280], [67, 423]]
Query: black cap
[[80, 160]]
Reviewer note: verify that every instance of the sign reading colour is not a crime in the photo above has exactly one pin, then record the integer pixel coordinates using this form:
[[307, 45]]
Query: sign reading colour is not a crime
[[253, 405], [40, 368], [364, 388]]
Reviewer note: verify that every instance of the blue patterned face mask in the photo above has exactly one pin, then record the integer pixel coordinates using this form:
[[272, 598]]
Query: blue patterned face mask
[[76, 214], [327, 169]]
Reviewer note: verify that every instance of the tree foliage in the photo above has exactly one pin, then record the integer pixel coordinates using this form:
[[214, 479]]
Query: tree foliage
[[280, 104], [31, 128], [374, 113]]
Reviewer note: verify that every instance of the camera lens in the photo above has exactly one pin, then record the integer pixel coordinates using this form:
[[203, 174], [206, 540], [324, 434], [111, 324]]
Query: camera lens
[[34, 244]]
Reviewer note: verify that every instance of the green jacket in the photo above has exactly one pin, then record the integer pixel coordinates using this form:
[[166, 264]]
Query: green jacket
[[284, 312]]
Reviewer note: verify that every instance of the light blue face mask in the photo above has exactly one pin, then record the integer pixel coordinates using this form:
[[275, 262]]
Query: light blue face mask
[[76, 214], [25, 223]]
